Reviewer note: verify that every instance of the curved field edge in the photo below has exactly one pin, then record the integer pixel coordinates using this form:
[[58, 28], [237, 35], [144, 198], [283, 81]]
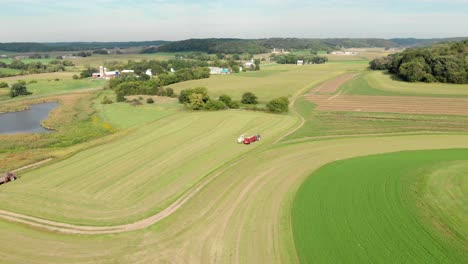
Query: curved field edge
[[242, 216], [385, 84], [380, 209]]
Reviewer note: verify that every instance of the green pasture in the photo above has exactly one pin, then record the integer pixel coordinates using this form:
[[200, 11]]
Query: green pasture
[[124, 115], [26, 61], [9, 71], [381, 83], [271, 82], [55, 84], [408, 207]]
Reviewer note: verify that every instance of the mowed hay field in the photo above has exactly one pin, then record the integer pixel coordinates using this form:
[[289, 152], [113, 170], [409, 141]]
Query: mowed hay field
[[242, 212], [381, 83], [142, 173], [242, 216], [406, 207]]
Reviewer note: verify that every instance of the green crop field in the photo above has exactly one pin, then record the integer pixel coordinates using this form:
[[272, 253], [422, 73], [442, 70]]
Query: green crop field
[[408, 207], [173, 186]]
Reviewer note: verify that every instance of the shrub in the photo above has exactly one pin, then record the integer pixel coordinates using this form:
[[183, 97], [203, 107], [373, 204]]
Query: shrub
[[213, 105], [225, 98], [75, 77], [249, 98], [3, 85], [184, 96], [18, 89], [234, 105], [56, 79], [120, 97], [278, 105], [140, 98], [106, 100], [32, 81], [150, 101]]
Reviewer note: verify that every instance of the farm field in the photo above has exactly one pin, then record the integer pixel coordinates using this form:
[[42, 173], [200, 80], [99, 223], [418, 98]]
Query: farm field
[[173, 186], [380, 83], [9, 71], [213, 226], [417, 213], [164, 159], [52, 83], [392, 104], [274, 81]]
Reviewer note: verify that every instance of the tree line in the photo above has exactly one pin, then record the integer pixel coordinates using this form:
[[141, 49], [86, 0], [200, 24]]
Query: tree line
[[446, 63], [293, 58], [35, 67]]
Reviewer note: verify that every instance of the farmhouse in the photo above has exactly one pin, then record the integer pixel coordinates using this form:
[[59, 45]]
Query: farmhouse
[[344, 53], [218, 70], [250, 64]]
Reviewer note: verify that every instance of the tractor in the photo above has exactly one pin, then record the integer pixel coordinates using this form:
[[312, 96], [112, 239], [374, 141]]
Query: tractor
[[246, 140], [8, 177]]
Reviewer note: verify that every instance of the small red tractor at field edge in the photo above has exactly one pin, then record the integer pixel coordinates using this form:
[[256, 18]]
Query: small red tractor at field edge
[[248, 139], [8, 177]]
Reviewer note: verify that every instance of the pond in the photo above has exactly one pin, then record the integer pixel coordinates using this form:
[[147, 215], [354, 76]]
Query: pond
[[28, 121]]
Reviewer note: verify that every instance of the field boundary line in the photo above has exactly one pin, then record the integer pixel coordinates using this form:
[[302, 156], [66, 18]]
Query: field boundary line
[[32, 165]]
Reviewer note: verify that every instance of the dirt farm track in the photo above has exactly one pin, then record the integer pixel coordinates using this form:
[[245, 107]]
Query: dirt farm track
[[393, 104]]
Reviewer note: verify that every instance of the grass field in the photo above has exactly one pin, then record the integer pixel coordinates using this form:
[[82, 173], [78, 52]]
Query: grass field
[[26, 61], [380, 83], [242, 216], [51, 83], [141, 174], [271, 82], [368, 210], [9, 71], [242, 211]]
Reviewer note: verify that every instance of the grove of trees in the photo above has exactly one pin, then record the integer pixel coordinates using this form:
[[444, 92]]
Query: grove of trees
[[446, 63], [293, 58]]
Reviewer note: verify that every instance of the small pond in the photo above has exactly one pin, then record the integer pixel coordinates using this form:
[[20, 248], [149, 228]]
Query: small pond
[[28, 121]]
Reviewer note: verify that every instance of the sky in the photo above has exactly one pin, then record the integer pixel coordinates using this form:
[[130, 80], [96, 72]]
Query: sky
[[138, 20]]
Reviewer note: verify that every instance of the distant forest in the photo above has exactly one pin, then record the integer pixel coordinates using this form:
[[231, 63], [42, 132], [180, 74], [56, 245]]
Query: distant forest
[[74, 46], [256, 46], [226, 46], [443, 62]]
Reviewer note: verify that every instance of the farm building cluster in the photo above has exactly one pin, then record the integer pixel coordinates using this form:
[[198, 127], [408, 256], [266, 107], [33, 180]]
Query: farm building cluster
[[344, 53], [105, 74]]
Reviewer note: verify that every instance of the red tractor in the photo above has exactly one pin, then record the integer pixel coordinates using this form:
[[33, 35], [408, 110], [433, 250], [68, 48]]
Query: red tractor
[[248, 139], [8, 177]]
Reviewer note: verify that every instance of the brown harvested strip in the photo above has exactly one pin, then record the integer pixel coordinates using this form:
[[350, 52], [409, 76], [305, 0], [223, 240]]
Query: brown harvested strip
[[332, 86], [393, 104]]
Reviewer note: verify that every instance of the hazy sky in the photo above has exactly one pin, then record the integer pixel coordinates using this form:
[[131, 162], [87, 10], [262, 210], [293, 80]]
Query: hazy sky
[[123, 20]]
